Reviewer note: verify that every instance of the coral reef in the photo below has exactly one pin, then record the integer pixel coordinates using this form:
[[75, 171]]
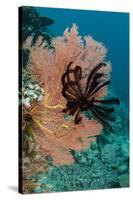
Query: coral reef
[[104, 165], [57, 136], [67, 155], [30, 92]]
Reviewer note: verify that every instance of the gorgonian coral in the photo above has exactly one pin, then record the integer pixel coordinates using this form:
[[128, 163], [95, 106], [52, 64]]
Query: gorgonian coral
[[56, 135]]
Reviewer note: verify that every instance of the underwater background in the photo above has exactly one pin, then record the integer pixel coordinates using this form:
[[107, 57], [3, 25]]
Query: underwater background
[[106, 163]]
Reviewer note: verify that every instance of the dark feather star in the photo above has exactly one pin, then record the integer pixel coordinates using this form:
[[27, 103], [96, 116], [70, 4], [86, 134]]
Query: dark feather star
[[81, 99]]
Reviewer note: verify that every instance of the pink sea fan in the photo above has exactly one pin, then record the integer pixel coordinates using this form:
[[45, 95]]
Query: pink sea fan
[[56, 135], [48, 65]]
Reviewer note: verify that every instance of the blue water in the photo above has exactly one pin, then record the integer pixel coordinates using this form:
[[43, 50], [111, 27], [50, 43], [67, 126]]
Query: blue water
[[111, 28]]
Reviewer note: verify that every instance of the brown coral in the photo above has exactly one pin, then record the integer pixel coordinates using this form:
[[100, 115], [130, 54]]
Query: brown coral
[[56, 135]]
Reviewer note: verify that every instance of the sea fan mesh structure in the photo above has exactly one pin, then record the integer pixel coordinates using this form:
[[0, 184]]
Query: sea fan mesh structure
[[56, 135]]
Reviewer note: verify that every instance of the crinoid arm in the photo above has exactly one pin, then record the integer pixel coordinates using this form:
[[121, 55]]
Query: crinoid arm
[[98, 88], [111, 100], [91, 80], [70, 86], [102, 110], [100, 118], [78, 117]]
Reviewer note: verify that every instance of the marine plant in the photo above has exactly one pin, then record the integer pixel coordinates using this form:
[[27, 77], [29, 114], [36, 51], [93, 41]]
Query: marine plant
[[55, 132]]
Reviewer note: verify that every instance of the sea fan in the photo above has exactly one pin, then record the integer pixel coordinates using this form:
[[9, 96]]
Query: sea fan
[[56, 135]]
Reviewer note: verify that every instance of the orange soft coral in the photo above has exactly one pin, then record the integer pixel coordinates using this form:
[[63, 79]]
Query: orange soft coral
[[56, 135]]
